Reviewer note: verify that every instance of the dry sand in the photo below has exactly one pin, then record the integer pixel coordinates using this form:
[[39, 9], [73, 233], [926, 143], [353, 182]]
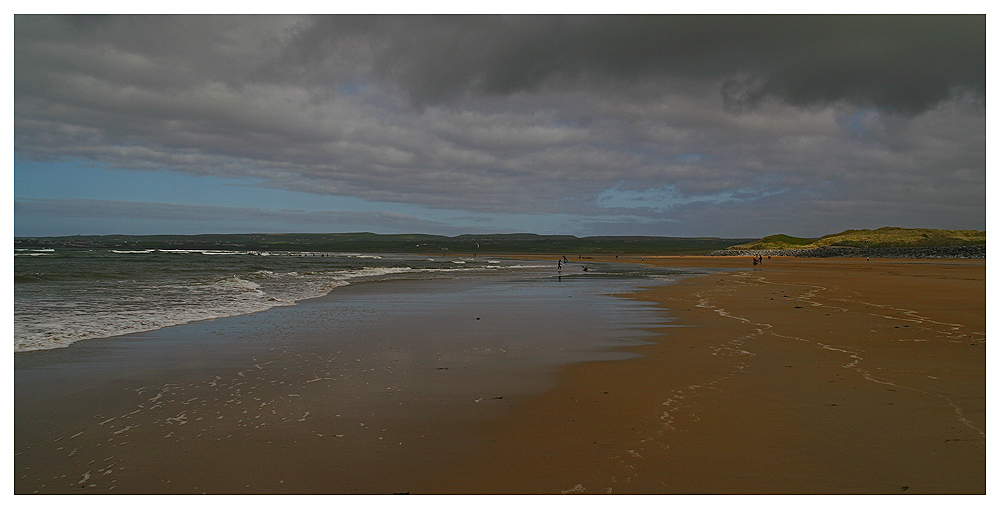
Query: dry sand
[[801, 376], [804, 376]]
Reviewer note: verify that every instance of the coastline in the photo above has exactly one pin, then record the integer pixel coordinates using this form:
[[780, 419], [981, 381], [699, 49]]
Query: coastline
[[831, 376], [799, 377]]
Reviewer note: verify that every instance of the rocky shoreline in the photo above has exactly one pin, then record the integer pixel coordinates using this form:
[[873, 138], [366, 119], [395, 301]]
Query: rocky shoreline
[[858, 252]]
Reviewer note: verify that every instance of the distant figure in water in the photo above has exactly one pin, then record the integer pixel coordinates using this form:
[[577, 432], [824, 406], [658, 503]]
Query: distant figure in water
[[560, 264], [585, 268]]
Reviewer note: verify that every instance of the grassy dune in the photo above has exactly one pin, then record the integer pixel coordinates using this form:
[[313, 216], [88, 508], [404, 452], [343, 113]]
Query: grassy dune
[[882, 237]]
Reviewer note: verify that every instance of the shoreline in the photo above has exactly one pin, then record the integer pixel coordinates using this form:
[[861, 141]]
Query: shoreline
[[815, 376], [360, 391]]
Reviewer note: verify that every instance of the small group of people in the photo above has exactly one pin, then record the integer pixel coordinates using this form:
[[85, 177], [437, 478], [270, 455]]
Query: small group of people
[[585, 269], [758, 260]]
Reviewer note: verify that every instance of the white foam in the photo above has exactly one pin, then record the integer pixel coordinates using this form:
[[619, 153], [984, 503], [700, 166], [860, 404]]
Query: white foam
[[235, 283], [206, 251], [113, 308], [60, 324]]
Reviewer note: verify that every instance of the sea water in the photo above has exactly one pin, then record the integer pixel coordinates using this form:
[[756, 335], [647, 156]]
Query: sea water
[[66, 295]]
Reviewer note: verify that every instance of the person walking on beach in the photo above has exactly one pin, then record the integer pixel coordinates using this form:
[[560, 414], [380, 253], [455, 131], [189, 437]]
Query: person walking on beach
[[560, 264]]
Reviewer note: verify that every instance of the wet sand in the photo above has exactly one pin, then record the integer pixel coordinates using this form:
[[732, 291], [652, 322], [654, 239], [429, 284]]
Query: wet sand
[[801, 376], [365, 390]]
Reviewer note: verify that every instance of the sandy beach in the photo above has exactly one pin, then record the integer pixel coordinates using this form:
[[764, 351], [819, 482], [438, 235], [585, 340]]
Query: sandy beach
[[801, 376]]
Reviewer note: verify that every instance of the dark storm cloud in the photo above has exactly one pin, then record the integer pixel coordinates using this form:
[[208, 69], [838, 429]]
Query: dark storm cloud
[[899, 63]]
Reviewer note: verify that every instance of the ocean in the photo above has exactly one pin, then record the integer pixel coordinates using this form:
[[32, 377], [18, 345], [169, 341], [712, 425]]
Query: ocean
[[65, 295]]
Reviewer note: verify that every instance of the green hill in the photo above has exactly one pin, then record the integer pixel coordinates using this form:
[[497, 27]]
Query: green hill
[[508, 243], [406, 243], [889, 236]]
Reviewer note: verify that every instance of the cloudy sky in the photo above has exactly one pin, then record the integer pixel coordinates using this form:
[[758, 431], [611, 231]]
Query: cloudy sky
[[724, 126]]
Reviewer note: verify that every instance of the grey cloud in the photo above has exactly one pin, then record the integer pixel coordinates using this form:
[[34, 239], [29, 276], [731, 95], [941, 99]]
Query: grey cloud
[[167, 52], [900, 63]]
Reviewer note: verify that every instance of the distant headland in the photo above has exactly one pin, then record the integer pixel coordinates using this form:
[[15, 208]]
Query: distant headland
[[883, 238]]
